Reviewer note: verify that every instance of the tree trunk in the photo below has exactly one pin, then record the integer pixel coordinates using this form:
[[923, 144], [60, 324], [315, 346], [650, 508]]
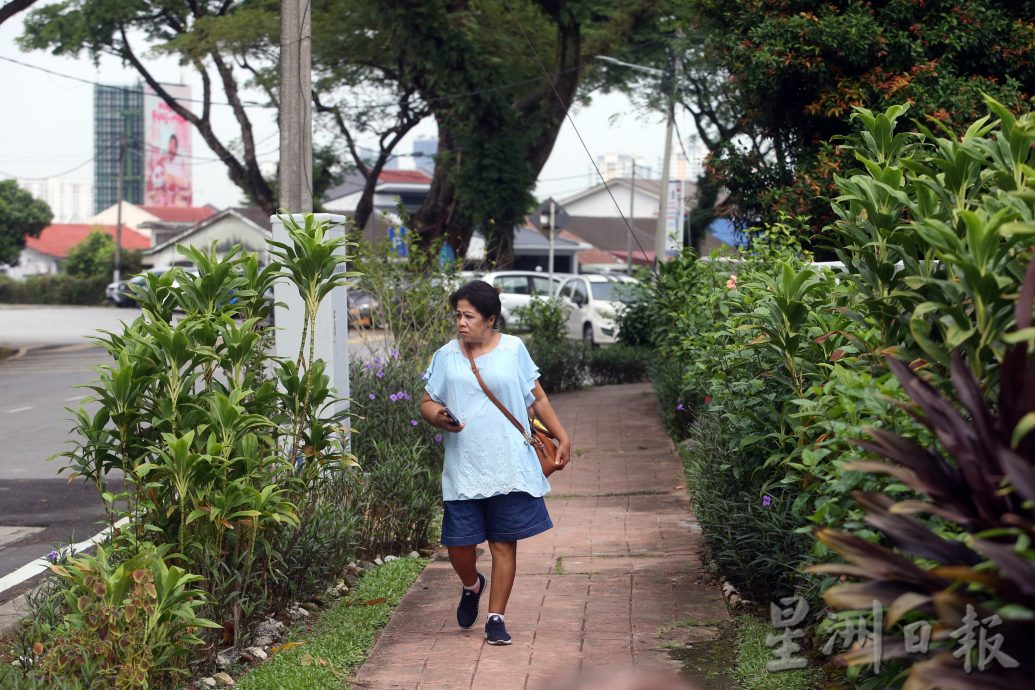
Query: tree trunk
[[437, 218]]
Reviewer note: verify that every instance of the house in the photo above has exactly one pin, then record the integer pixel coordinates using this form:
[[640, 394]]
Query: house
[[600, 201], [532, 251], [243, 225], [394, 187], [157, 223], [594, 218], [45, 253]]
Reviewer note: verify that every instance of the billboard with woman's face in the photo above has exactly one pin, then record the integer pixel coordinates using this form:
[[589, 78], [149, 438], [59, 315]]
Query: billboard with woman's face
[[167, 170]]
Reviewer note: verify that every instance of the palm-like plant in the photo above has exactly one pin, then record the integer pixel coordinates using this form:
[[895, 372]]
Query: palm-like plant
[[974, 555], [312, 261]]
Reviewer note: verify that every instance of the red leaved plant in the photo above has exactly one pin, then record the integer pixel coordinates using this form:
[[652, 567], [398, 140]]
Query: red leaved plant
[[981, 488]]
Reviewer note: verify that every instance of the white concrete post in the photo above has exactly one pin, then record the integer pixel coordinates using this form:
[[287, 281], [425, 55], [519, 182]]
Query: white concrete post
[[332, 320]]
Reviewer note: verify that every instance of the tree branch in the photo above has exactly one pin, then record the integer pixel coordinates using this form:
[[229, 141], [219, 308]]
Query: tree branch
[[9, 9]]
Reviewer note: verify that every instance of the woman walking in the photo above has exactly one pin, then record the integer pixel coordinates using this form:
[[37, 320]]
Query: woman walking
[[492, 482]]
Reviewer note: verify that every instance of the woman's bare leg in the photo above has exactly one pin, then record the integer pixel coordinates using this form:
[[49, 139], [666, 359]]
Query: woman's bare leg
[[504, 568], [465, 563]]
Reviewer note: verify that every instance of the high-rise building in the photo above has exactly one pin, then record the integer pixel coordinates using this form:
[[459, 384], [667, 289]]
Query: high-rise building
[[615, 165], [157, 169], [70, 202], [424, 154], [118, 110]]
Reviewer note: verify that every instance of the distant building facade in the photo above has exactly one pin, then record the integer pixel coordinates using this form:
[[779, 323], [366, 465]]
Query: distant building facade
[[615, 165], [117, 110], [424, 151], [70, 202], [157, 170]]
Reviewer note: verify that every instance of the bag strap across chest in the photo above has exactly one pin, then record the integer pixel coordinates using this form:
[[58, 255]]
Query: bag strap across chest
[[495, 401]]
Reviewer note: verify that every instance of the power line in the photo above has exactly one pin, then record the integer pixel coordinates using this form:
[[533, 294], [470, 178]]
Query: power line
[[128, 89], [63, 172], [256, 104]]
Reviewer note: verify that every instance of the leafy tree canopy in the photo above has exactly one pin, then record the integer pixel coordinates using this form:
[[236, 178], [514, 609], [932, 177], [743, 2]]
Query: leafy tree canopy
[[95, 256], [793, 71], [21, 215]]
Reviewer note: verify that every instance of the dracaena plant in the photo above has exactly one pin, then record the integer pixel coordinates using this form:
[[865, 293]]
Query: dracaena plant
[[193, 416], [960, 552]]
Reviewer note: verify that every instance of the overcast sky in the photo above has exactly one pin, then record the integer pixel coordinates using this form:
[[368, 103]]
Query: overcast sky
[[47, 126]]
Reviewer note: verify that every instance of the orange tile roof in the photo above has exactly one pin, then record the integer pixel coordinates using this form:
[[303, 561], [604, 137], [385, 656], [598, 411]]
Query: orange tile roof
[[179, 214], [411, 176], [56, 240]]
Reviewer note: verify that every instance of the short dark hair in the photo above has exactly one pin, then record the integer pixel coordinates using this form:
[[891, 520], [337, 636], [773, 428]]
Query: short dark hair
[[482, 296]]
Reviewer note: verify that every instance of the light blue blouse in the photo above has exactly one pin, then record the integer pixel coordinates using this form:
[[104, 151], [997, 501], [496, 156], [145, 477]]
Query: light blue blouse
[[489, 457]]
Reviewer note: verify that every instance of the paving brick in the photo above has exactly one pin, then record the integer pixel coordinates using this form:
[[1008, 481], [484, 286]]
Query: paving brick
[[622, 561]]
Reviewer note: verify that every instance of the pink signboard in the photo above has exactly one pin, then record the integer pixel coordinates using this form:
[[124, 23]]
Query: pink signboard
[[167, 169]]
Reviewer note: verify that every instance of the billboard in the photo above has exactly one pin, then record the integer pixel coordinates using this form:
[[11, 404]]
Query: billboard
[[167, 151]]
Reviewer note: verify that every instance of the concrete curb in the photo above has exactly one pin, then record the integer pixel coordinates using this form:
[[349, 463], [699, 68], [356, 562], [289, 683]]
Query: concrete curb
[[12, 613]]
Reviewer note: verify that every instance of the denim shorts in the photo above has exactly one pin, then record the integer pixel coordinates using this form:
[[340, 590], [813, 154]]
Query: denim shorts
[[506, 517]]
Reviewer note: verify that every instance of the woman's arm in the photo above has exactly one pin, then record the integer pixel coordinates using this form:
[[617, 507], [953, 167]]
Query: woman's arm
[[544, 411], [434, 413]]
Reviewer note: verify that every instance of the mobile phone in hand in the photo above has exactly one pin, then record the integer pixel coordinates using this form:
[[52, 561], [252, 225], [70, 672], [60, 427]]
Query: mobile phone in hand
[[452, 417]]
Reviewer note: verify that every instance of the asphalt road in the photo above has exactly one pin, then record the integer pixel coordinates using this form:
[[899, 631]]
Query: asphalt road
[[35, 390], [36, 387]]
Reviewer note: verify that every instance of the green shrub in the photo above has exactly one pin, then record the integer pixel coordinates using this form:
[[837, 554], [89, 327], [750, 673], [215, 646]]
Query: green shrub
[[224, 450], [618, 364], [749, 528], [386, 393], [678, 407], [56, 288], [563, 363], [126, 625], [94, 257], [396, 499]]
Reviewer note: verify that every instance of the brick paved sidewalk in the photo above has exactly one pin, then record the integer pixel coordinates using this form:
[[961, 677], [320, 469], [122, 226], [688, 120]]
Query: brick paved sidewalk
[[591, 594]]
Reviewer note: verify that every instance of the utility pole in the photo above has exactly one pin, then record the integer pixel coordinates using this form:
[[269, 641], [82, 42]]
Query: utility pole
[[296, 111], [632, 219], [118, 210], [660, 234], [553, 234]]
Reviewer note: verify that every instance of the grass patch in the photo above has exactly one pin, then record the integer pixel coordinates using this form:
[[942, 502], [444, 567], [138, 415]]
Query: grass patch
[[339, 642], [752, 656], [6, 352], [558, 566]]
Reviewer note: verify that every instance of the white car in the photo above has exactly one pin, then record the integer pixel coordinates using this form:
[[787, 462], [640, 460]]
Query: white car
[[517, 289], [593, 302]]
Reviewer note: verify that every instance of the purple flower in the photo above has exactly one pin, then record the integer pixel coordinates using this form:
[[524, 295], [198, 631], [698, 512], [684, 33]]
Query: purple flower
[[680, 407], [380, 374], [425, 376], [393, 397], [767, 500], [402, 395], [394, 354], [368, 366], [372, 396], [413, 422], [53, 556], [377, 361], [437, 438]]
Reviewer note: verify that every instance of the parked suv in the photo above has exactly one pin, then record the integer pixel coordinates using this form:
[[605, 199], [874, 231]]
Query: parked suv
[[517, 289], [593, 302]]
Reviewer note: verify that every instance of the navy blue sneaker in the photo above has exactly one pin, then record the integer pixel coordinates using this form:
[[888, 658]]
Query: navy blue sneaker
[[467, 611], [496, 632]]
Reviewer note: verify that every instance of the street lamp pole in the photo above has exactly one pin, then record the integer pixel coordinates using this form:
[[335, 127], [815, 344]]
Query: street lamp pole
[[669, 74], [632, 219], [296, 111]]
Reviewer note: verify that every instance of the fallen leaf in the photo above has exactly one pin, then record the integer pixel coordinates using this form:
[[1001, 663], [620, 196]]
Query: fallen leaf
[[374, 602], [306, 660], [284, 647]]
